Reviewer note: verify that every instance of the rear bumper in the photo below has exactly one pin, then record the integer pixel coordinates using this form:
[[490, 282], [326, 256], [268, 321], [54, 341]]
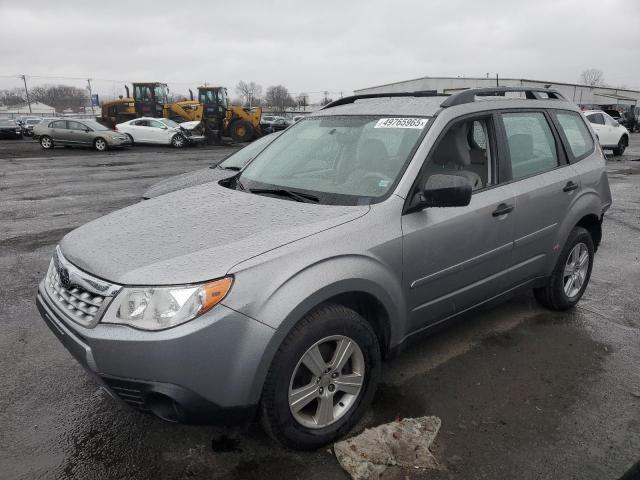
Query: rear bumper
[[200, 372]]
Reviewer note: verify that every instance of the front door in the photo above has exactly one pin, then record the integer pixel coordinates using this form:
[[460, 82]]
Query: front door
[[455, 258], [78, 134]]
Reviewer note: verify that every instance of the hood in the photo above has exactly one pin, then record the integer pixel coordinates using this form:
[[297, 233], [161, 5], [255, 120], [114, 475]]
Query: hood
[[186, 180], [194, 235]]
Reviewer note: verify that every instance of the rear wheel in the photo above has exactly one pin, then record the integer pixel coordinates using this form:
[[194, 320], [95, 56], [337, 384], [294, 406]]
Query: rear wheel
[[130, 138], [241, 131], [570, 277], [178, 141], [622, 146], [100, 144], [322, 378], [46, 142]]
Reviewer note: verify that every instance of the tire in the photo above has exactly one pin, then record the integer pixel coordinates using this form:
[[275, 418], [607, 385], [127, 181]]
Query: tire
[[100, 144], [46, 142], [321, 331], [622, 146], [130, 138], [241, 131], [555, 295], [178, 141]]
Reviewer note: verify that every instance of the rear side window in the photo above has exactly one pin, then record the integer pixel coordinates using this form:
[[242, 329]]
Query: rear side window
[[576, 133], [58, 124], [532, 147], [596, 118]]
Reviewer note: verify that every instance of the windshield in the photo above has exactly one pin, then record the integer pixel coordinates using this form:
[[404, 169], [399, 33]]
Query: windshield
[[160, 92], [246, 154], [170, 123], [343, 160], [95, 125]]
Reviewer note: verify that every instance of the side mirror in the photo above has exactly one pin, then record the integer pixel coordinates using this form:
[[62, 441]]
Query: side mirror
[[163, 127], [442, 191]]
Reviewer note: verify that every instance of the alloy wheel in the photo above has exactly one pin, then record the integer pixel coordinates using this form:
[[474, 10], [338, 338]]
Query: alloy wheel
[[575, 270], [101, 144], [45, 142], [326, 382]]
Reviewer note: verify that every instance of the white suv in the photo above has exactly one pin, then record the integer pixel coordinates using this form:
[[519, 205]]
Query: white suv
[[610, 133]]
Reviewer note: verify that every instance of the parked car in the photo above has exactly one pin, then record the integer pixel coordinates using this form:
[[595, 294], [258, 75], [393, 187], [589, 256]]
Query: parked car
[[159, 130], [227, 168], [28, 124], [9, 129], [610, 133], [77, 133], [279, 290], [273, 123]]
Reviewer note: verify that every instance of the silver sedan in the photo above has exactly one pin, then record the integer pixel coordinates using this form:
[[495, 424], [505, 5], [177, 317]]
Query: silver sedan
[[83, 133]]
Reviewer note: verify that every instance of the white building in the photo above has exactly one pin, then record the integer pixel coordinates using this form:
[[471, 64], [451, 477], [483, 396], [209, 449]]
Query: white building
[[580, 94]]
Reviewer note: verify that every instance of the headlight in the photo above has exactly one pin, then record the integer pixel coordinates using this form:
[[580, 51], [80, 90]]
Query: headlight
[[157, 308]]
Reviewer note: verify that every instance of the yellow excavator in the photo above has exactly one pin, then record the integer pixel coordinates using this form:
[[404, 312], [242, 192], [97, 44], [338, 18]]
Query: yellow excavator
[[212, 109]]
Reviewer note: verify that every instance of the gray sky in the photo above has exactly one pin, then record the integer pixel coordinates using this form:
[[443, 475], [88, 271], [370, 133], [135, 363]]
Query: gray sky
[[315, 46]]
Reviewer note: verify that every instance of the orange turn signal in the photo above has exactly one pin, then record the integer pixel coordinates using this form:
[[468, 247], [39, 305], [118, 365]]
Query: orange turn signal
[[213, 292]]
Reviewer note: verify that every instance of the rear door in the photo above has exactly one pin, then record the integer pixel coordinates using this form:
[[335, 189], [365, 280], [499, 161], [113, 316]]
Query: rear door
[[457, 257], [139, 130], [603, 131], [544, 185], [58, 131]]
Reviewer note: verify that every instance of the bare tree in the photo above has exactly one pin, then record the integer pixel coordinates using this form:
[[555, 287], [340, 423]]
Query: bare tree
[[13, 97], [249, 92], [592, 77], [303, 100], [60, 97], [279, 97]]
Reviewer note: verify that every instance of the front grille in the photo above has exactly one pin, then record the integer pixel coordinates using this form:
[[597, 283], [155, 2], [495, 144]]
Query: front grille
[[79, 296]]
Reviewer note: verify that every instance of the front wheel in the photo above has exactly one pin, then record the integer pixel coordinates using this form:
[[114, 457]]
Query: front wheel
[[241, 131], [178, 141], [100, 144], [570, 277], [46, 142], [322, 378], [622, 146]]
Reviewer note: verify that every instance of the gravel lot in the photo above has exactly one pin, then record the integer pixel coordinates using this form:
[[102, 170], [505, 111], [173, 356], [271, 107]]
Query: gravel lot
[[522, 392]]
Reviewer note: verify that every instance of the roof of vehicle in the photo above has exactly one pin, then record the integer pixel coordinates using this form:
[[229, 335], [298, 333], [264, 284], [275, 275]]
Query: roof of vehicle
[[429, 103], [589, 112]]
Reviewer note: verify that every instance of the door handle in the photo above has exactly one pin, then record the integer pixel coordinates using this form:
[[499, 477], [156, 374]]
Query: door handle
[[570, 186], [502, 209]]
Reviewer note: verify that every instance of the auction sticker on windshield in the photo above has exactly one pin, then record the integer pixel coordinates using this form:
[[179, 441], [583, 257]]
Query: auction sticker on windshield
[[418, 123]]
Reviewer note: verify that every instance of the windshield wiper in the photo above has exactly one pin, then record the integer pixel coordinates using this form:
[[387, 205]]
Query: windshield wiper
[[297, 196]]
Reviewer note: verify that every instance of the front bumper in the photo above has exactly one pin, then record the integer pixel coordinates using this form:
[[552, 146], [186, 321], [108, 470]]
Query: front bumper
[[195, 138], [201, 371], [118, 142]]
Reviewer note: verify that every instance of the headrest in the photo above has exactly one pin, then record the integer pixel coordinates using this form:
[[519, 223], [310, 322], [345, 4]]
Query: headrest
[[454, 147]]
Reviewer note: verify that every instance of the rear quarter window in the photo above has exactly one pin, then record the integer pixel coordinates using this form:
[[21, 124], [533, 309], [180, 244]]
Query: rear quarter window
[[577, 136]]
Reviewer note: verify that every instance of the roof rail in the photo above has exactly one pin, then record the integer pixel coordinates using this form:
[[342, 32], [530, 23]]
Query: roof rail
[[468, 96], [353, 98]]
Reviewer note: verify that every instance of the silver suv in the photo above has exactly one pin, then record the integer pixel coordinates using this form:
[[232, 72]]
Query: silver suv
[[279, 290]]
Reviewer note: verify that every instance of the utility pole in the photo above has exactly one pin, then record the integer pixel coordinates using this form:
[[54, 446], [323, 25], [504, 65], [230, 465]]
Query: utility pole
[[90, 96], [325, 97], [497, 81], [26, 91]]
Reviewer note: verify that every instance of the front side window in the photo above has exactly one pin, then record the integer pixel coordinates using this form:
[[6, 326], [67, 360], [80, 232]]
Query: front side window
[[531, 145], [75, 125], [342, 160], [576, 133], [170, 123], [596, 118], [464, 151]]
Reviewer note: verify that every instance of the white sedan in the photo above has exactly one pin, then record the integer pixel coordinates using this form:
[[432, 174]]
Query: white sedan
[[158, 130], [611, 134]]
